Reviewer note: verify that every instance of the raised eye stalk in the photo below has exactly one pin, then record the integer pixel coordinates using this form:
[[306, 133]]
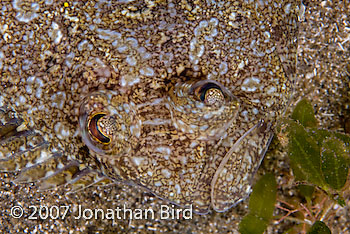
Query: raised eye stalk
[[107, 124], [204, 108]]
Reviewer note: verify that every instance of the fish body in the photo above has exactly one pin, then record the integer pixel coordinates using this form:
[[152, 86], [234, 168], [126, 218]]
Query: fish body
[[180, 98]]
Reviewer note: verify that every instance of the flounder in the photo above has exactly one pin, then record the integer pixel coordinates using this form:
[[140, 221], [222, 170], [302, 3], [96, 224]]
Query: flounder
[[178, 97]]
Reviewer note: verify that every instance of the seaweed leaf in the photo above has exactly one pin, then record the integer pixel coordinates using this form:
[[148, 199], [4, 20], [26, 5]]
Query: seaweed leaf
[[306, 190], [304, 113], [304, 154], [261, 206], [319, 227], [252, 224], [263, 198], [321, 134], [334, 164]]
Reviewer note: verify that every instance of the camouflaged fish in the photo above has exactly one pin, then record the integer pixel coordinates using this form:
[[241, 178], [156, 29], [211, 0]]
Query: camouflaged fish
[[178, 97]]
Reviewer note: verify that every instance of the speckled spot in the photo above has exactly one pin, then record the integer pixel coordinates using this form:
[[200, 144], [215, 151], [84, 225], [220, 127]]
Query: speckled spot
[[62, 131], [26, 10]]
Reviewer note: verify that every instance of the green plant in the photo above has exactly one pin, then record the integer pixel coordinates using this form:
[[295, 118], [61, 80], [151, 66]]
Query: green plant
[[320, 161], [261, 206]]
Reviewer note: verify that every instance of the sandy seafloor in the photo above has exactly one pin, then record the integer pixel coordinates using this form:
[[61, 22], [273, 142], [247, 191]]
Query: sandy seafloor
[[323, 78]]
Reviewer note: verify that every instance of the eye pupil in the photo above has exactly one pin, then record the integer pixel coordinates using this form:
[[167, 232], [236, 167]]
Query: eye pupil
[[211, 94], [95, 130]]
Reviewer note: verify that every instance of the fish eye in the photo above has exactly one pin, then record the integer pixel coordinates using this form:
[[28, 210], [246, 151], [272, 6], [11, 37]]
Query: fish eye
[[204, 109], [108, 125], [97, 130], [210, 93]]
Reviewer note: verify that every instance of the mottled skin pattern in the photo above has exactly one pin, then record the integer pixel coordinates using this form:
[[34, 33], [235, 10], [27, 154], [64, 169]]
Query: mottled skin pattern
[[189, 93]]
